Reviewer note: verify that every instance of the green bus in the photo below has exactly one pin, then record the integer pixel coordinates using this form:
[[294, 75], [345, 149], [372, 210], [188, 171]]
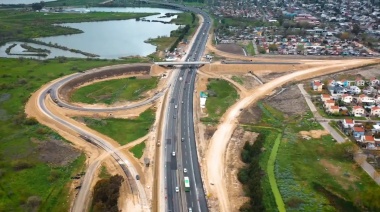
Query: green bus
[[187, 184]]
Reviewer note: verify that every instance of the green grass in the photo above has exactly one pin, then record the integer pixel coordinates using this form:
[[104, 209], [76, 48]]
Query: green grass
[[123, 130], [73, 3], [138, 150], [221, 96], [271, 176], [163, 43], [21, 25], [238, 79], [311, 175], [111, 91], [104, 173], [18, 79], [250, 49]]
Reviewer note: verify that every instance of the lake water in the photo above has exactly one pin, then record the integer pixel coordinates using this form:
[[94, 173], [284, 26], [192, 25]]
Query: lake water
[[21, 1], [110, 39], [115, 39]]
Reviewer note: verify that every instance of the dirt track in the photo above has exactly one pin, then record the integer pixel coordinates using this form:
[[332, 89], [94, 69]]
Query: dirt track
[[215, 157]]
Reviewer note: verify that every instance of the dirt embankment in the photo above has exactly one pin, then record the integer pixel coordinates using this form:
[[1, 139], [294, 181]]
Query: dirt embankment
[[103, 73], [236, 194]]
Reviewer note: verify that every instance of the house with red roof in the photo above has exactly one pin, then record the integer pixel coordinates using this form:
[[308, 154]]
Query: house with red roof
[[375, 111], [358, 111]]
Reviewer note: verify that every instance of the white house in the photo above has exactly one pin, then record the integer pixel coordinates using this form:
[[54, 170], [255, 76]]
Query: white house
[[374, 81], [358, 111], [375, 111], [368, 140], [359, 82], [329, 103], [334, 109], [346, 98], [348, 123], [366, 99], [317, 85], [355, 90]]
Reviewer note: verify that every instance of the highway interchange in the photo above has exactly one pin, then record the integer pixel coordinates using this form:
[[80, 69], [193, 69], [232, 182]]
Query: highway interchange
[[179, 125]]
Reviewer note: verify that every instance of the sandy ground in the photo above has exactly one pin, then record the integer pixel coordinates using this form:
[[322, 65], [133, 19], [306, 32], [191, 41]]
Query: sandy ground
[[94, 153], [215, 158], [314, 133]]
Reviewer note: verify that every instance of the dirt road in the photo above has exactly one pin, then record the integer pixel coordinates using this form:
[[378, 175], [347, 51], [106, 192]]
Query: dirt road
[[215, 170]]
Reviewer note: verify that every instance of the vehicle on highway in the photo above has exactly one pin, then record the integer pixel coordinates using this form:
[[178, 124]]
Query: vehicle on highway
[[182, 102], [184, 170], [173, 153], [190, 210], [180, 79], [187, 184], [182, 139], [174, 116], [175, 106], [137, 177], [176, 189]]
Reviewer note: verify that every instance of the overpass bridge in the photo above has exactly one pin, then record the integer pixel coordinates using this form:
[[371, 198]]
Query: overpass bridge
[[181, 63]]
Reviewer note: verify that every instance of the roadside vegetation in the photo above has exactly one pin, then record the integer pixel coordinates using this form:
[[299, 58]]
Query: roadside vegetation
[[138, 150], [221, 95], [250, 49], [112, 91], [19, 25], [36, 165], [106, 194], [238, 79], [123, 130], [311, 175], [189, 21]]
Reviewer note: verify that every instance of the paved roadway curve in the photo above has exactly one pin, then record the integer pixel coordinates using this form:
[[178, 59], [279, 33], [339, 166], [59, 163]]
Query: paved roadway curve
[[180, 124], [56, 87]]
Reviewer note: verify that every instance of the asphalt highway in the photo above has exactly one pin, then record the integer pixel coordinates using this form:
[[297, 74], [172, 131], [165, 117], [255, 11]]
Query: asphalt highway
[[180, 124], [119, 157], [56, 87]]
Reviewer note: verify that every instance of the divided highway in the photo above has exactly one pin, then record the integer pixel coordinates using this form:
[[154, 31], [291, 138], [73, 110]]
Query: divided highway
[[180, 147]]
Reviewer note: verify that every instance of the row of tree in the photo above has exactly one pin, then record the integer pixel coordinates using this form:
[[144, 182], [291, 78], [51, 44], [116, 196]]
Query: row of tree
[[106, 194], [183, 31], [250, 176]]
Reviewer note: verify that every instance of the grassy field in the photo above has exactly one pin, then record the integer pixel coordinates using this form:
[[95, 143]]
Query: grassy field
[[315, 174], [138, 150], [111, 91], [250, 49], [123, 130], [20, 137], [238, 79], [21, 25], [103, 174], [221, 96]]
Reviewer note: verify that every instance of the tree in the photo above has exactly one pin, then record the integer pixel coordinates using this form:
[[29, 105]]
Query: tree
[[355, 29], [37, 6], [300, 48], [273, 47], [345, 36]]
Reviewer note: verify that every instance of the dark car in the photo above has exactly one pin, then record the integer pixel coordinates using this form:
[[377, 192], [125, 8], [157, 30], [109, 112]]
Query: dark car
[[137, 177]]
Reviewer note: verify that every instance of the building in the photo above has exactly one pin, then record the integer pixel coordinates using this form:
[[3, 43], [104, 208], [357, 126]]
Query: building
[[359, 82], [325, 97], [374, 81], [348, 123], [346, 98], [355, 90], [358, 132], [358, 111], [375, 111], [368, 141], [317, 85], [329, 103], [334, 109]]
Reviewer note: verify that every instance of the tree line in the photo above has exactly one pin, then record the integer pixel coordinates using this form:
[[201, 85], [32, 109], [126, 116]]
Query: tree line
[[182, 32], [250, 176]]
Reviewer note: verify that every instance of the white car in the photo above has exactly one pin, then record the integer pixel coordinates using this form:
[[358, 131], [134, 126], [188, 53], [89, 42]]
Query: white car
[[176, 189], [184, 170], [190, 210], [173, 153], [175, 106]]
